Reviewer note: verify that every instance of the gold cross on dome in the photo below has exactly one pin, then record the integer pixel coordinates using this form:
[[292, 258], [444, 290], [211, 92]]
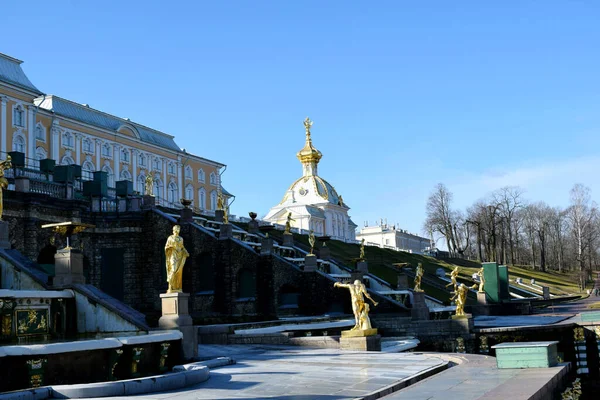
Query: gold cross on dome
[[307, 125]]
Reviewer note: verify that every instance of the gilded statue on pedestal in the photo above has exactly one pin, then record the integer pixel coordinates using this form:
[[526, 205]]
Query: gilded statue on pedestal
[[418, 277], [361, 255], [481, 280], [460, 296], [3, 181], [149, 185], [453, 276], [311, 241], [288, 224], [360, 308], [220, 201], [176, 255]]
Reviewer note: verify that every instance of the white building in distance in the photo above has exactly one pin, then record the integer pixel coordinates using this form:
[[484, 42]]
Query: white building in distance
[[313, 202], [386, 236]]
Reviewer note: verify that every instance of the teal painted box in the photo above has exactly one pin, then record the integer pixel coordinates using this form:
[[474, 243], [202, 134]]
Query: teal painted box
[[526, 354]]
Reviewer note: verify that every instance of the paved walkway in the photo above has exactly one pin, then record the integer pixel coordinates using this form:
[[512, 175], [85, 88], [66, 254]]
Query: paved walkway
[[302, 374]]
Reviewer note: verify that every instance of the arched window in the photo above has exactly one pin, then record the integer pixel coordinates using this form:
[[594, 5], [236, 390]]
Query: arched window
[[87, 170], [66, 160], [111, 177], [213, 200], [40, 153], [19, 143], [18, 116], [141, 182], [125, 175], [213, 178], [201, 176], [189, 192], [125, 155], [40, 132], [188, 172], [142, 160], [202, 198], [172, 194], [157, 187], [106, 151], [88, 147]]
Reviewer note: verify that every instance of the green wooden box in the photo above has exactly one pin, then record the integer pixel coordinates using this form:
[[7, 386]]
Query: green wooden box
[[526, 354]]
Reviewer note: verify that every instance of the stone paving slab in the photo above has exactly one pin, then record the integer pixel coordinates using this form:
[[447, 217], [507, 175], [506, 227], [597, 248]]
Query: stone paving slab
[[291, 373]]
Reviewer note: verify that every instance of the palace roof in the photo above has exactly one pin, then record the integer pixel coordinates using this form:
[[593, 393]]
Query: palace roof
[[12, 73]]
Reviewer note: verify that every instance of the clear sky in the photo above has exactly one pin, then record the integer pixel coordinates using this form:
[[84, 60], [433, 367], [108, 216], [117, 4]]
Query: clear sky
[[475, 94]]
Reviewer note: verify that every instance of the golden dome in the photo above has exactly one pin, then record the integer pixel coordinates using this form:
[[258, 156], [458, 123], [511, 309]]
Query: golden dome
[[308, 154]]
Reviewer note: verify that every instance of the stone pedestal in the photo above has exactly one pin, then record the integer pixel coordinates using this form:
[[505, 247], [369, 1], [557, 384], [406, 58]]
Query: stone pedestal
[[253, 226], [225, 231], [463, 323], [324, 253], [481, 298], [68, 267], [419, 310], [148, 201], [186, 216], [363, 267], [70, 191], [219, 215], [122, 205], [266, 246], [288, 240], [356, 276], [310, 263], [22, 184], [135, 204], [96, 204], [4, 237], [360, 340], [402, 281], [175, 315]]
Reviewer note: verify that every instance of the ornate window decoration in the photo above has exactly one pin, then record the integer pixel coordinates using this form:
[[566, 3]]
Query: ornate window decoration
[[88, 146], [88, 166], [157, 186], [125, 176], [125, 155], [67, 160], [202, 198], [18, 142], [68, 140], [156, 164], [141, 182], [40, 154], [40, 132], [189, 192], [142, 160], [111, 176], [18, 116], [188, 172], [213, 178], [201, 176], [106, 153], [171, 168]]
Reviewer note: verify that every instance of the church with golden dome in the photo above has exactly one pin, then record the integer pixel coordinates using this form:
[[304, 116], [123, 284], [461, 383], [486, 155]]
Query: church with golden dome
[[312, 201]]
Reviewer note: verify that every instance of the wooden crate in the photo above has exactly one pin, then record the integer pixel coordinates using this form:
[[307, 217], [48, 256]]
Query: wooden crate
[[526, 354]]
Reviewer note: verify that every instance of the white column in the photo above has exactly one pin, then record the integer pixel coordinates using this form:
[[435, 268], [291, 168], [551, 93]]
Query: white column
[[55, 141], [165, 179], [3, 122], [77, 149], [98, 154], [134, 157], [117, 161], [31, 136]]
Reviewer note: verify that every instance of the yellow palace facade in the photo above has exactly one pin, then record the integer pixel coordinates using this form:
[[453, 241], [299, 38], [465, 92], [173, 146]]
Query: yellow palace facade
[[46, 126]]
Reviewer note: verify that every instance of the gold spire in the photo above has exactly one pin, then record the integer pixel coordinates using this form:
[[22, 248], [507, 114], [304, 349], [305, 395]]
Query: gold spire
[[308, 154]]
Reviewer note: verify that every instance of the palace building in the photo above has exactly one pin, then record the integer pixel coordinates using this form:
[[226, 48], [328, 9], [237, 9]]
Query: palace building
[[314, 202], [45, 126]]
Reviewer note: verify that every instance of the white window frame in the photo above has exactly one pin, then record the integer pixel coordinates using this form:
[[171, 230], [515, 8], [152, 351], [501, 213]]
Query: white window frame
[[22, 119], [201, 176], [68, 140], [23, 141], [189, 173], [142, 160], [125, 155], [202, 198], [171, 168], [39, 127], [91, 148], [41, 151], [109, 153], [213, 179]]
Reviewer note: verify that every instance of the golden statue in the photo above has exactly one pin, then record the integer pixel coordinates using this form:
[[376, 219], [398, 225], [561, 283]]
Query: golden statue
[[358, 292], [149, 185], [225, 216], [418, 277], [307, 125], [311, 241], [220, 201], [176, 255], [453, 276], [361, 256], [288, 224], [3, 181], [460, 296], [481, 280]]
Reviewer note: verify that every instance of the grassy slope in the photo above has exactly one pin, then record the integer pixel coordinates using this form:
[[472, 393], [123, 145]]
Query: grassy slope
[[380, 261]]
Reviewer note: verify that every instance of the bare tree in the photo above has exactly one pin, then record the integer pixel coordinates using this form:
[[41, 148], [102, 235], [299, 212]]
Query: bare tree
[[581, 215], [440, 216], [509, 200]]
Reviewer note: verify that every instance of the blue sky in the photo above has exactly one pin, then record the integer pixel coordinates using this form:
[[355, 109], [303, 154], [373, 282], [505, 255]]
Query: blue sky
[[403, 95]]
